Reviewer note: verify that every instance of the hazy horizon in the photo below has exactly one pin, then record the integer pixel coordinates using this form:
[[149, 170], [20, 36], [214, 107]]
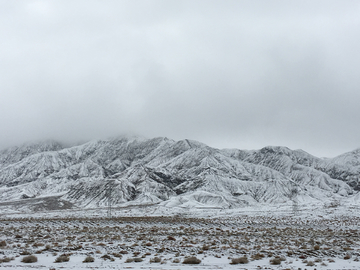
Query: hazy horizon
[[230, 74]]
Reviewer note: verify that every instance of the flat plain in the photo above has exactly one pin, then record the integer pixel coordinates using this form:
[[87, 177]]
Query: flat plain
[[238, 241]]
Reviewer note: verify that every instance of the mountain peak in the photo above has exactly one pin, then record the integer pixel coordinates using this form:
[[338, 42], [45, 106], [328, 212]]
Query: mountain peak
[[180, 173]]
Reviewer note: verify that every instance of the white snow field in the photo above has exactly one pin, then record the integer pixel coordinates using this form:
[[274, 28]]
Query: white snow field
[[157, 237]]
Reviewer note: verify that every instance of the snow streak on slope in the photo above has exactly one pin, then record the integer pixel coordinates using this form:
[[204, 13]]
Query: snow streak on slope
[[182, 174]]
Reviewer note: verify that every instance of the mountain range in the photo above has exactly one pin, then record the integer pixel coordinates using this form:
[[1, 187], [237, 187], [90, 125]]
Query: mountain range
[[186, 173]]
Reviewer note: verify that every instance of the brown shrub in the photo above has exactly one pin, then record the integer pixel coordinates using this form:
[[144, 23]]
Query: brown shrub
[[155, 260], [6, 259], [310, 263], [275, 261], [241, 260], [205, 247], [29, 259], [257, 256], [160, 250], [62, 258], [76, 247], [191, 260], [117, 255], [88, 259], [107, 257], [136, 253], [129, 260], [347, 256], [2, 243]]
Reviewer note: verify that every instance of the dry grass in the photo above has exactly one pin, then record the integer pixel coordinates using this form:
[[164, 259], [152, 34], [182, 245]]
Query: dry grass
[[310, 263], [6, 259], [191, 260], [136, 259], [29, 259], [257, 256], [275, 261], [107, 257], [347, 257], [143, 236], [88, 259], [241, 260], [62, 258], [155, 260]]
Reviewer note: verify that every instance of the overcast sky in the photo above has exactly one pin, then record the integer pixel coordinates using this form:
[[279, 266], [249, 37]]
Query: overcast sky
[[231, 74]]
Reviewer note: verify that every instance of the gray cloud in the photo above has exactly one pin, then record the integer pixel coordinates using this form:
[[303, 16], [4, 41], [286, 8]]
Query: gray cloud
[[242, 74]]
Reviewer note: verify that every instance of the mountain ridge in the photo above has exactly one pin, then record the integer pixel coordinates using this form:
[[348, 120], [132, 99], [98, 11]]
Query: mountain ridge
[[183, 173]]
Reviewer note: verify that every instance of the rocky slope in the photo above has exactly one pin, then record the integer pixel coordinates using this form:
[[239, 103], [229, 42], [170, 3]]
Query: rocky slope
[[131, 170]]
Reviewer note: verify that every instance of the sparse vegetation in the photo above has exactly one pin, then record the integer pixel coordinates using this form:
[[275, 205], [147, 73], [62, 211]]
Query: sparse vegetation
[[155, 260], [257, 256], [241, 260], [29, 259], [347, 257], [275, 261], [310, 263], [107, 257], [88, 259], [117, 255], [169, 240], [6, 259], [191, 260], [62, 258]]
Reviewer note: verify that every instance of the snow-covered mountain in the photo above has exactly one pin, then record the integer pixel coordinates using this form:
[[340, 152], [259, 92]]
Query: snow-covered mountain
[[132, 170]]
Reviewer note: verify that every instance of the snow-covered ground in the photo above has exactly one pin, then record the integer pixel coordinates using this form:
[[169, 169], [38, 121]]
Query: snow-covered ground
[[306, 210], [300, 237], [47, 262]]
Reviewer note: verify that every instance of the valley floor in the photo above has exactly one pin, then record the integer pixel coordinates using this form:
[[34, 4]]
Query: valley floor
[[140, 238]]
